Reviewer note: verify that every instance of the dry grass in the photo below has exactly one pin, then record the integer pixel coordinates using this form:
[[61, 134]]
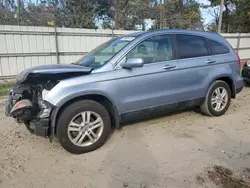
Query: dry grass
[[5, 87]]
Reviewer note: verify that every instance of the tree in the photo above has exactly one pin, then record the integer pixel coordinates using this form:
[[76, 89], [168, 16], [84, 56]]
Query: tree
[[235, 16], [181, 14], [7, 15], [80, 13], [123, 14], [226, 14], [213, 25], [130, 13], [241, 17], [192, 15]]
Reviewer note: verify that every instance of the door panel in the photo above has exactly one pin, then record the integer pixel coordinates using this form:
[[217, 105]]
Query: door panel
[[193, 73], [194, 66], [197, 71], [149, 86]]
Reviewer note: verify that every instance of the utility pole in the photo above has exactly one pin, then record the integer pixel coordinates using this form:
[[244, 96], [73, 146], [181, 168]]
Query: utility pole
[[161, 14], [116, 16], [18, 12], [164, 13], [221, 13], [55, 33]]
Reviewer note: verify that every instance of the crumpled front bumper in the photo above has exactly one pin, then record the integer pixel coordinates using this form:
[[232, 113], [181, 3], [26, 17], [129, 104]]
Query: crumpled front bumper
[[39, 125]]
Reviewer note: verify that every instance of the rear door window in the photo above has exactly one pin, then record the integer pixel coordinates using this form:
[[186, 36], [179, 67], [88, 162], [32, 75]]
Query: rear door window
[[216, 47], [189, 46]]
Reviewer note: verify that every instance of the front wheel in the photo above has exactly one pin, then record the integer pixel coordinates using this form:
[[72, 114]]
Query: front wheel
[[217, 99], [83, 126]]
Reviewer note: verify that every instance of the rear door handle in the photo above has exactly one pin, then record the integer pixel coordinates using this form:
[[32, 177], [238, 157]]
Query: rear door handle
[[210, 61], [167, 67]]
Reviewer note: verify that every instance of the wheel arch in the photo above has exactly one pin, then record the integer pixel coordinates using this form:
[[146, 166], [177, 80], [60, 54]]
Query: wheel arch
[[98, 97], [228, 80]]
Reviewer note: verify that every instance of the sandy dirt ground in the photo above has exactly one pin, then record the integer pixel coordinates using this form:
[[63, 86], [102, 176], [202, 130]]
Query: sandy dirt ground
[[166, 152]]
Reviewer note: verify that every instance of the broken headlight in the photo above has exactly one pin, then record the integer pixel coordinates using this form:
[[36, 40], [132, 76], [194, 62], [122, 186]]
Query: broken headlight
[[46, 109]]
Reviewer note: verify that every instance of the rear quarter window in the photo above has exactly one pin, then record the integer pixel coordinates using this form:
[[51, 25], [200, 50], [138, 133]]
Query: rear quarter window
[[216, 47]]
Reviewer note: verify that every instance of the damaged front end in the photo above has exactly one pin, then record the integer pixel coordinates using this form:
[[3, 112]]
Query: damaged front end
[[26, 102]]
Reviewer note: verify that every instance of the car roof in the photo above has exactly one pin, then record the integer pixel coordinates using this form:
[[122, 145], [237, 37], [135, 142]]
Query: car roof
[[212, 35]]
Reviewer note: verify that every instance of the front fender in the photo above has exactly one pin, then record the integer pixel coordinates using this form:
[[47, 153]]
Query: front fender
[[63, 93], [82, 94]]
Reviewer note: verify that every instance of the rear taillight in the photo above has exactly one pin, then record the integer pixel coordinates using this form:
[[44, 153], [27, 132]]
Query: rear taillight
[[238, 58]]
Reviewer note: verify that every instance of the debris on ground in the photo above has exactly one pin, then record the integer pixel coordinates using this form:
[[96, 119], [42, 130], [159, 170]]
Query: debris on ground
[[246, 173], [143, 185], [225, 178], [245, 156], [229, 155], [200, 179], [125, 184]]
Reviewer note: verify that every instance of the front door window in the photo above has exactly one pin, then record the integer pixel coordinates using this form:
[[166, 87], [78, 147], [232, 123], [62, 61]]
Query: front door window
[[153, 50]]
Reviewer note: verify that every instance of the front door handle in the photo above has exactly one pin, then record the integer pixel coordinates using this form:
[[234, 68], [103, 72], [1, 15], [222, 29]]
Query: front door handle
[[169, 67], [210, 61]]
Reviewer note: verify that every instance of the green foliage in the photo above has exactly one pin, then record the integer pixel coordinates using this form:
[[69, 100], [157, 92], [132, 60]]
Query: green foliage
[[6, 15], [235, 17], [81, 13], [241, 17], [5, 88], [124, 14], [183, 14]]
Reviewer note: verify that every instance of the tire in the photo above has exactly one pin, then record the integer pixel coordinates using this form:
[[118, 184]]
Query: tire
[[207, 108], [74, 110]]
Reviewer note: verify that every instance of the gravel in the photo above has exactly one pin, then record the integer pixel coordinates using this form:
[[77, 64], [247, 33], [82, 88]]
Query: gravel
[[165, 152]]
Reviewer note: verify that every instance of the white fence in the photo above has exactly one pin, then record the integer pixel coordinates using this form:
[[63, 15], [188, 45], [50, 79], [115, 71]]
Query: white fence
[[240, 42], [23, 47]]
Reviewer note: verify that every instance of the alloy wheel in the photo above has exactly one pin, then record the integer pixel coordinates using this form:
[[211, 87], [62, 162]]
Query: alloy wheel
[[85, 128], [219, 99]]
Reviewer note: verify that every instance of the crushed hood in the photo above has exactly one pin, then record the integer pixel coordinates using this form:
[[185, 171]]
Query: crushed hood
[[52, 72]]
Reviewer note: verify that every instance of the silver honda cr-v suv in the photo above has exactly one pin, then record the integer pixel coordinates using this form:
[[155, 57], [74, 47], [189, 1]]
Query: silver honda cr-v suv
[[123, 79]]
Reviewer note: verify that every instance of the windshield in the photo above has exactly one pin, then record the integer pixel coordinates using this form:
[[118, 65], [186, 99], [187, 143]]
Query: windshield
[[103, 53]]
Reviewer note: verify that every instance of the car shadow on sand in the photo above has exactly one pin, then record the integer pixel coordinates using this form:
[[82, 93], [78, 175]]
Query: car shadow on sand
[[158, 116]]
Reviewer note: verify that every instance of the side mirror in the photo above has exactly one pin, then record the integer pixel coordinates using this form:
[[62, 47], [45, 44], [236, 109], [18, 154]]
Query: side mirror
[[133, 62]]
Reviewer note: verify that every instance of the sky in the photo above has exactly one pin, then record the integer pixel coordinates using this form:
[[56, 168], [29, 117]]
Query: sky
[[205, 12]]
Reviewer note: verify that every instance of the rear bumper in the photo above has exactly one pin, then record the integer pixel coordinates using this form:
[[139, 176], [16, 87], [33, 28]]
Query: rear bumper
[[239, 84], [238, 90]]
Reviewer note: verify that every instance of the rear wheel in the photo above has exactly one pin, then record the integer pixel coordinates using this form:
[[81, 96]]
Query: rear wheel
[[217, 99], [83, 127]]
